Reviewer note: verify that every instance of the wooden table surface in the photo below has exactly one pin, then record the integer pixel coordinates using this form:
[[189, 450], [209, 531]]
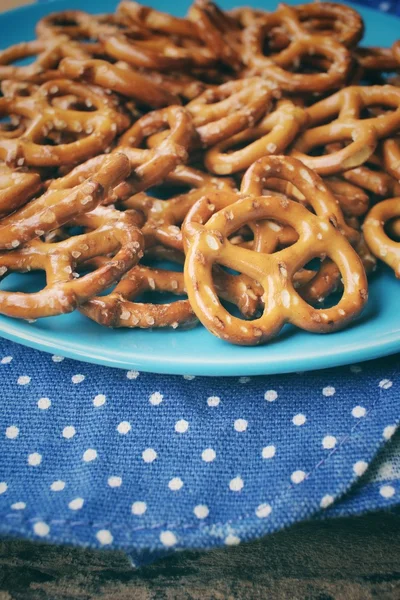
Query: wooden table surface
[[344, 559]]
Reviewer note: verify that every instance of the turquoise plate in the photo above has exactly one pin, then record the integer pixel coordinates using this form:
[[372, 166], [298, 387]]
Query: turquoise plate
[[196, 352]]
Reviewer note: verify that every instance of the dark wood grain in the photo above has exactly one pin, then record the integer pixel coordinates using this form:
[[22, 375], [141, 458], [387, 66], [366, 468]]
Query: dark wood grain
[[344, 559]]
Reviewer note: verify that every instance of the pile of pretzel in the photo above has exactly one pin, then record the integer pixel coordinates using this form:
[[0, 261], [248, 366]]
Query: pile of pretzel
[[261, 150]]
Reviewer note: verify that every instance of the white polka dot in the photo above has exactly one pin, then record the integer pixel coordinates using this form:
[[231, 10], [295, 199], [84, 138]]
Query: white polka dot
[[181, 426], [298, 476], [77, 378], [69, 432], [326, 501], [149, 455], [76, 504], [232, 540], [114, 481], [57, 486], [156, 398], [55, 358], [99, 400], [385, 6], [244, 379], [385, 384], [389, 431], [328, 391], [355, 369], [34, 459], [139, 508], [124, 427], [168, 539], [41, 529], [270, 395], [105, 537], [360, 467], [268, 451], [236, 484], [6, 360], [18, 506], [23, 380], [213, 401], [3, 487], [263, 511], [44, 403], [208, 455], [358, 412], [329, 442], [240, 425], [175, 484], [89, 455], [132, 374], [387, 491], [189, 377], [12, 432], [299, 419], [201, 511]]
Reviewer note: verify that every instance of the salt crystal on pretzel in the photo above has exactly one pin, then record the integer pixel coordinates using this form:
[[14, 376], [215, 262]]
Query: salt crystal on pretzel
[[16, 188], [57, 207], [110, 233]]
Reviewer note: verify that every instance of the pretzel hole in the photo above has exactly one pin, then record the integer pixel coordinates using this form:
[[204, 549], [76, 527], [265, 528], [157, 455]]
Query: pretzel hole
[[166, 190], [25, 282], [319, 283], [392, 229]]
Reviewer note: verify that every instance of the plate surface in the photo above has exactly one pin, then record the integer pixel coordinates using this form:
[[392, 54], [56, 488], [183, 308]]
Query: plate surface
[[197, 352]]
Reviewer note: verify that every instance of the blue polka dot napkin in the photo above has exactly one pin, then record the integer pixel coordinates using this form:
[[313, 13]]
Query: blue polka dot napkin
[[151, 463]]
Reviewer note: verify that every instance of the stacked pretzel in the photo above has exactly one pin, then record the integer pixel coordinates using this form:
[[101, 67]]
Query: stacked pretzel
[[258, 150]]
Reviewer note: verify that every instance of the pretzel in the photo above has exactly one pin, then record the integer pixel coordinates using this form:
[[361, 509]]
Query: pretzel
[[363, 133], [99, 127], [276, 67], [329, 18], [154, 20], [216, 29], [16, 188], [274, 272], [111, 233], [376, 59], [391, 157], [396, 51], [271, 135], [127, 83], [182, 85], [57, 207], [43, 68], [376, 237]]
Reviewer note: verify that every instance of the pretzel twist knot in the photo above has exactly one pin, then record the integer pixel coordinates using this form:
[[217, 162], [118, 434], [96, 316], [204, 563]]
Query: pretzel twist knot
[[301, 44], [209, 244], [344, 109], [376, 237], [93, 131], [110, 233]]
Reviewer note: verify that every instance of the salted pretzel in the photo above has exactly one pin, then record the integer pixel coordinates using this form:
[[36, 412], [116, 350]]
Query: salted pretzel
[[271, 135], [47, 54], [154, 20], [277, 66], [72, 23], [396, 51], [379, 242], [391, 157], [376, 59], [282, 303], [329, 18], [343, 111], [56, 207], [182, 85], [217, 30], [125, 82], [98, 127], [110, 233], [16, 188]]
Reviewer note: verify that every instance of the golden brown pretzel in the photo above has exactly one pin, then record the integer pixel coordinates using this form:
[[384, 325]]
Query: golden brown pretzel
[[98, 127], [391, 157], [343, 111], [376, 59], [271, 135], [274, 272], [111, 233], [277, 66], [48, 55], [125, 82], [182, 85], [376, 237], [396, 51], [330, 18], [16, 188], [56, 207], [217, 30], [154, 20], [72, 23]]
